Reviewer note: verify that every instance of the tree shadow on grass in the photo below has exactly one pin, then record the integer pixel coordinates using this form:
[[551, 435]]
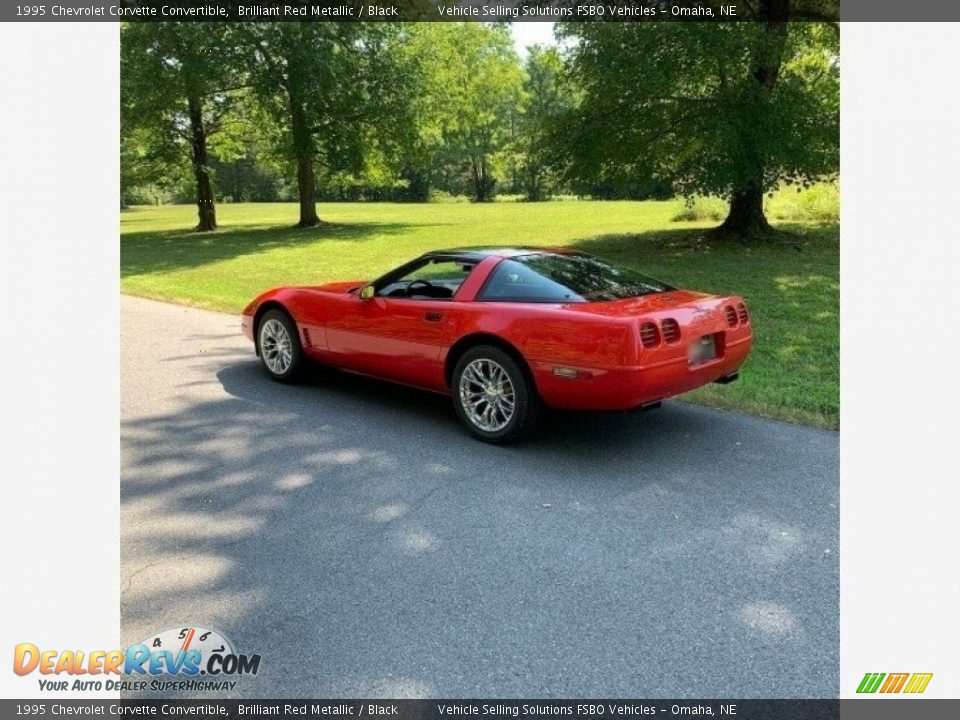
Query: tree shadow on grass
[[149, 252], [684, 240], [681, 238], [692, 257]]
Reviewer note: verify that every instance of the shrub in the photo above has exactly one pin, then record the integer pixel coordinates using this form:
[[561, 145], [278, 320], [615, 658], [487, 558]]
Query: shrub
[[701, 209], [789, 203], [442, 196], [817, 203]]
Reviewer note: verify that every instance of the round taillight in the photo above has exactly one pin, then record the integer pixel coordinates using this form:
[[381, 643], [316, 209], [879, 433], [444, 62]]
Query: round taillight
[[743, 314], [731, 315], [649, 335], [671, 330]]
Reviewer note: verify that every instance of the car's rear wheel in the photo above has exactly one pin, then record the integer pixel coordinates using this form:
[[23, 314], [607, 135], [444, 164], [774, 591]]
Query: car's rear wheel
[[279, 346], [492, 395]]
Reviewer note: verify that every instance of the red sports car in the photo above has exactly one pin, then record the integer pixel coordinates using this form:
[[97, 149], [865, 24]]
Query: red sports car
[[507, 331]]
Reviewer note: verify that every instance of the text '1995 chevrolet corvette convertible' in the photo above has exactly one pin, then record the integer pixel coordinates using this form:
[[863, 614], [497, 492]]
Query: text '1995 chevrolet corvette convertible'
[[508, 331]]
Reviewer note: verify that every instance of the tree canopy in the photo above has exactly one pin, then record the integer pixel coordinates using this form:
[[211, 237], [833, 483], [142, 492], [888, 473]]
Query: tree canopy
[[708, 108], [308, 111], [179, 84]]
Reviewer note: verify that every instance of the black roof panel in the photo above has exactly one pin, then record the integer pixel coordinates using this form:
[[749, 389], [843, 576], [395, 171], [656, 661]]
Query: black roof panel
[[476, 254]]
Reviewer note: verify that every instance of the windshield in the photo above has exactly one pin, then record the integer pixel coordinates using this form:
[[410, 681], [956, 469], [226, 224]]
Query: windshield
[[557, 278]]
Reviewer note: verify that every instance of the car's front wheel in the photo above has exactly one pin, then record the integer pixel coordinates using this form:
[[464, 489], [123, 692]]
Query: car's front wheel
[[492, 396], [279, 346]]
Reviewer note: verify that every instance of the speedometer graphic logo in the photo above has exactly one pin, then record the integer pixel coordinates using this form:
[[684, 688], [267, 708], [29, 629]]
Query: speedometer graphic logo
[[192, 650], [200, 640]]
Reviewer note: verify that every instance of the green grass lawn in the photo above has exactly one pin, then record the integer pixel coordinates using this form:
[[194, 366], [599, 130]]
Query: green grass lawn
[[793, 294]]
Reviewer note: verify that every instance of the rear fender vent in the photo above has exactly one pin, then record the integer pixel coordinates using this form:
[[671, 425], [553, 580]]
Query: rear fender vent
[[649, 335], [743, 314], [671, 330], [731, 315]]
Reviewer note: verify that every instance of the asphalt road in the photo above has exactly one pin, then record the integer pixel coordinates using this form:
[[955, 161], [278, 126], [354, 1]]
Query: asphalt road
[[352, 534]]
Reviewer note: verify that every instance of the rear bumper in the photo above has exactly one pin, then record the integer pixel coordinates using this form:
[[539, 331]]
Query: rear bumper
[[626, 388]]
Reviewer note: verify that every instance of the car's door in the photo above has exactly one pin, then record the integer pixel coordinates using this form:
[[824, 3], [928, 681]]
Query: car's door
[[400, 333]]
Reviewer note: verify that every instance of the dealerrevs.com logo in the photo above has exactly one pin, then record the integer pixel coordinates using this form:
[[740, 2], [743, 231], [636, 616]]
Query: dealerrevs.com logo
[[910, 683], [185, 653]]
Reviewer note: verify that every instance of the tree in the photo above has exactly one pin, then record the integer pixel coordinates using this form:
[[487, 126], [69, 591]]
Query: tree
[[178, 82], [487, 84], [464, 97], [730, 109], [151, 167], [327, 84], [422, 54], [548, 97]]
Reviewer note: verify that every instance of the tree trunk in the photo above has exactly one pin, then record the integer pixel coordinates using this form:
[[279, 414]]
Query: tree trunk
[[477, 184], [303, 149], [767, 61], [206, 210], [746, 217], [482, 184], [418, 184]]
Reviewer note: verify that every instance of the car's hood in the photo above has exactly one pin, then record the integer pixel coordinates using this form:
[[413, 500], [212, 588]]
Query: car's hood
[[341, 286]]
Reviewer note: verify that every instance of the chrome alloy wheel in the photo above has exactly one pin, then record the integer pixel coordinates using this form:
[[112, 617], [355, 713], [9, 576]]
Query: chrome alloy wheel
[[487, 395], [276, 347]]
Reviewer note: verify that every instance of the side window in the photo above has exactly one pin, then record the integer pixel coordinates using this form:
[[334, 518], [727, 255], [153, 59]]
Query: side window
[[435, 280], [512, 281]]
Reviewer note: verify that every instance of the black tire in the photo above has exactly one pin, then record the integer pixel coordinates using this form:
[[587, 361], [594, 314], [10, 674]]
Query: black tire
[[527, 406], [292, 372]]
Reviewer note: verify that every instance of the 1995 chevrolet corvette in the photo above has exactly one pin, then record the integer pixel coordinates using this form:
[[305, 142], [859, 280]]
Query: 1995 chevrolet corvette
[[507, 331]]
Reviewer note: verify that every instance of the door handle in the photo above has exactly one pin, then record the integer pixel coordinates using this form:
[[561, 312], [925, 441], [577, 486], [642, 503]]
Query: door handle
[[433, 316]]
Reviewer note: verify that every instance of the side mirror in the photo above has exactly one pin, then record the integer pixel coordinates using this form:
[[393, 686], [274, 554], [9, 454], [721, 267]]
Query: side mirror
[[367, 292]]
